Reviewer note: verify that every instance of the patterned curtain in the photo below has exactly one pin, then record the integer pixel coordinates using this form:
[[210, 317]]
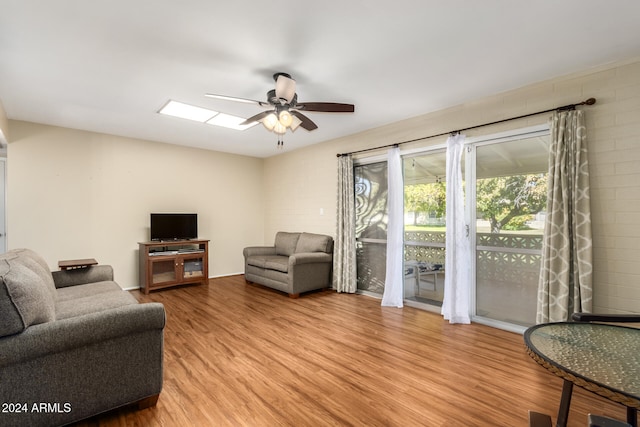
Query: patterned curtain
[[344, 259], [566, 272]]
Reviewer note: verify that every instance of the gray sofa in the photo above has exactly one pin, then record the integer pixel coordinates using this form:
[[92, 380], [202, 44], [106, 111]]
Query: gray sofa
[[73, 344], [296, 263]]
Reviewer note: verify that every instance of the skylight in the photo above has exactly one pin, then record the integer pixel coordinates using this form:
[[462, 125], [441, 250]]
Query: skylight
[[203, 115], [229, 121]]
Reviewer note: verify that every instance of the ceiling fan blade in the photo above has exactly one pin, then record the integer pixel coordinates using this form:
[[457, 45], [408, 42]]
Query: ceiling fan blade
[[256, 118], [306, 121], [285, 87], [236, 99], [327, 107]]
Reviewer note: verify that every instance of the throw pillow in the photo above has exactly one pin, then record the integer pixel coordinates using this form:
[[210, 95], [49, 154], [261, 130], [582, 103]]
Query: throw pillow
[[24, 298]]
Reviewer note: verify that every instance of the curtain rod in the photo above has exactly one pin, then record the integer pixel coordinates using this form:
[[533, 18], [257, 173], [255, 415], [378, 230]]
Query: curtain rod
[[569, 107]]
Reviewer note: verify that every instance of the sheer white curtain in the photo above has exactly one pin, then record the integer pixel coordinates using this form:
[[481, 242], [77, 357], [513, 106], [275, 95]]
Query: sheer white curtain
[[344, 260], [457, 292], [393, 283]]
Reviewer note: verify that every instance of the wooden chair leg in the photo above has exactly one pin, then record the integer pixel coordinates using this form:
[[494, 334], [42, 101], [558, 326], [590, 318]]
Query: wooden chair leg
[[294, 296]]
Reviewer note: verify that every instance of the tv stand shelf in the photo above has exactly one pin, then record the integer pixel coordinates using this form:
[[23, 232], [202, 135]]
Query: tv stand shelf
[[164, 264]]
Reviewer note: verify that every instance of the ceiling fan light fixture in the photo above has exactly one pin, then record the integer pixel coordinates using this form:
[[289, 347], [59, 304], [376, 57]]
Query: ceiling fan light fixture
[[279, 128], [285, 87], [270, 121], [295, 122], [285, 118]]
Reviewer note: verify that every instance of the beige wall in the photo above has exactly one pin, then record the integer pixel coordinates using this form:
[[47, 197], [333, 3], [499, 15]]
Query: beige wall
[[301, 182], [75, 194]]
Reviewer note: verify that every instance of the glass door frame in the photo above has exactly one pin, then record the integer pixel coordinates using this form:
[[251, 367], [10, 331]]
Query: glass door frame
[[470, 212]]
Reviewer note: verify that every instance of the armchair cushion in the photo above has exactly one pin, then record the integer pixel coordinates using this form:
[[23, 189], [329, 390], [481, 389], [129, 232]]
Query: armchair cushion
[[286, 243], [309, 242], [259, 260], [277, 264]]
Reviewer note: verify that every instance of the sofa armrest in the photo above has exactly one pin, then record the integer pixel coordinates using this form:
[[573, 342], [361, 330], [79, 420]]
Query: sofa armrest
[[310, 258], [80, 276], [259, 250], [62, 335]]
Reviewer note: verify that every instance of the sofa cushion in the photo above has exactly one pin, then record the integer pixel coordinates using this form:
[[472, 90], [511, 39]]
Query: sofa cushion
[[87, 289], [25, 299], [82, 305], [286, 243], [309, 242]]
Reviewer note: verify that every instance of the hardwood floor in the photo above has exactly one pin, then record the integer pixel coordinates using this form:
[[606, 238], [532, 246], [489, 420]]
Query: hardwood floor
[[244, 355]]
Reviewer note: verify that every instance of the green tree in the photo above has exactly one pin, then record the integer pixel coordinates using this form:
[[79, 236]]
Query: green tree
[[426, 198], [501, 199]]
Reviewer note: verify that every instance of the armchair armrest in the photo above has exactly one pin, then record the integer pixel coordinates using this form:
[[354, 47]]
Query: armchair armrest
[[617, 318], [310, 258], [80, 276], [259, 250]]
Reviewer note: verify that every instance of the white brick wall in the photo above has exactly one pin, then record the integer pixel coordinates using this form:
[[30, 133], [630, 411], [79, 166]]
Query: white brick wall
[[299, 183]]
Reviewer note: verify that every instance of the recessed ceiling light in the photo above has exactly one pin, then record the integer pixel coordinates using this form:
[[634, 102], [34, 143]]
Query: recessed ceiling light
[[186, 111], [229, 121]]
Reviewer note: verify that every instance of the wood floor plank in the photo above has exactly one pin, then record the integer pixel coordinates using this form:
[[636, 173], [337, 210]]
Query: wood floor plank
[[244, 355]]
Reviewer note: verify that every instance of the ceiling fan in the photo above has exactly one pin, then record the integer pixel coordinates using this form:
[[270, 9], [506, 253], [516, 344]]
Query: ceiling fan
[[284, 109]]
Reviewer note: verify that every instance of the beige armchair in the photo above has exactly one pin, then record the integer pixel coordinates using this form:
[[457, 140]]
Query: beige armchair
[[296, 263]]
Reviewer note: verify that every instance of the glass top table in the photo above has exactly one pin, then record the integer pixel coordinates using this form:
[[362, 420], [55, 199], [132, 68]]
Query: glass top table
[[601, 358]]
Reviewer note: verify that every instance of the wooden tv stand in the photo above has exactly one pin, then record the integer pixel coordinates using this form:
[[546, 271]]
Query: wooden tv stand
[[164, 264]]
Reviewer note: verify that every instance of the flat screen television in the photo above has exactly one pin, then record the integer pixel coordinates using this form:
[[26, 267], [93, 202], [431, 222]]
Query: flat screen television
[[174, 226]]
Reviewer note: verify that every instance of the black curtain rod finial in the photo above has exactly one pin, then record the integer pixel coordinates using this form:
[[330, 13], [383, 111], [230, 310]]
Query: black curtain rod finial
[[572, 107]]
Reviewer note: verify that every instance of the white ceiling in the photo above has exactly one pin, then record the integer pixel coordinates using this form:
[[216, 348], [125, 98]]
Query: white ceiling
[[109, 65]]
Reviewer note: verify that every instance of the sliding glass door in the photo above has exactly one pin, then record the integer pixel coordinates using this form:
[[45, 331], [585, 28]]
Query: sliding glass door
[[509, 200], [506, 182], [424, 227]]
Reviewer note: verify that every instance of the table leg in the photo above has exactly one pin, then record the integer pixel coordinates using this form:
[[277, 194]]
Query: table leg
[[632, 417], [565, 402]]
